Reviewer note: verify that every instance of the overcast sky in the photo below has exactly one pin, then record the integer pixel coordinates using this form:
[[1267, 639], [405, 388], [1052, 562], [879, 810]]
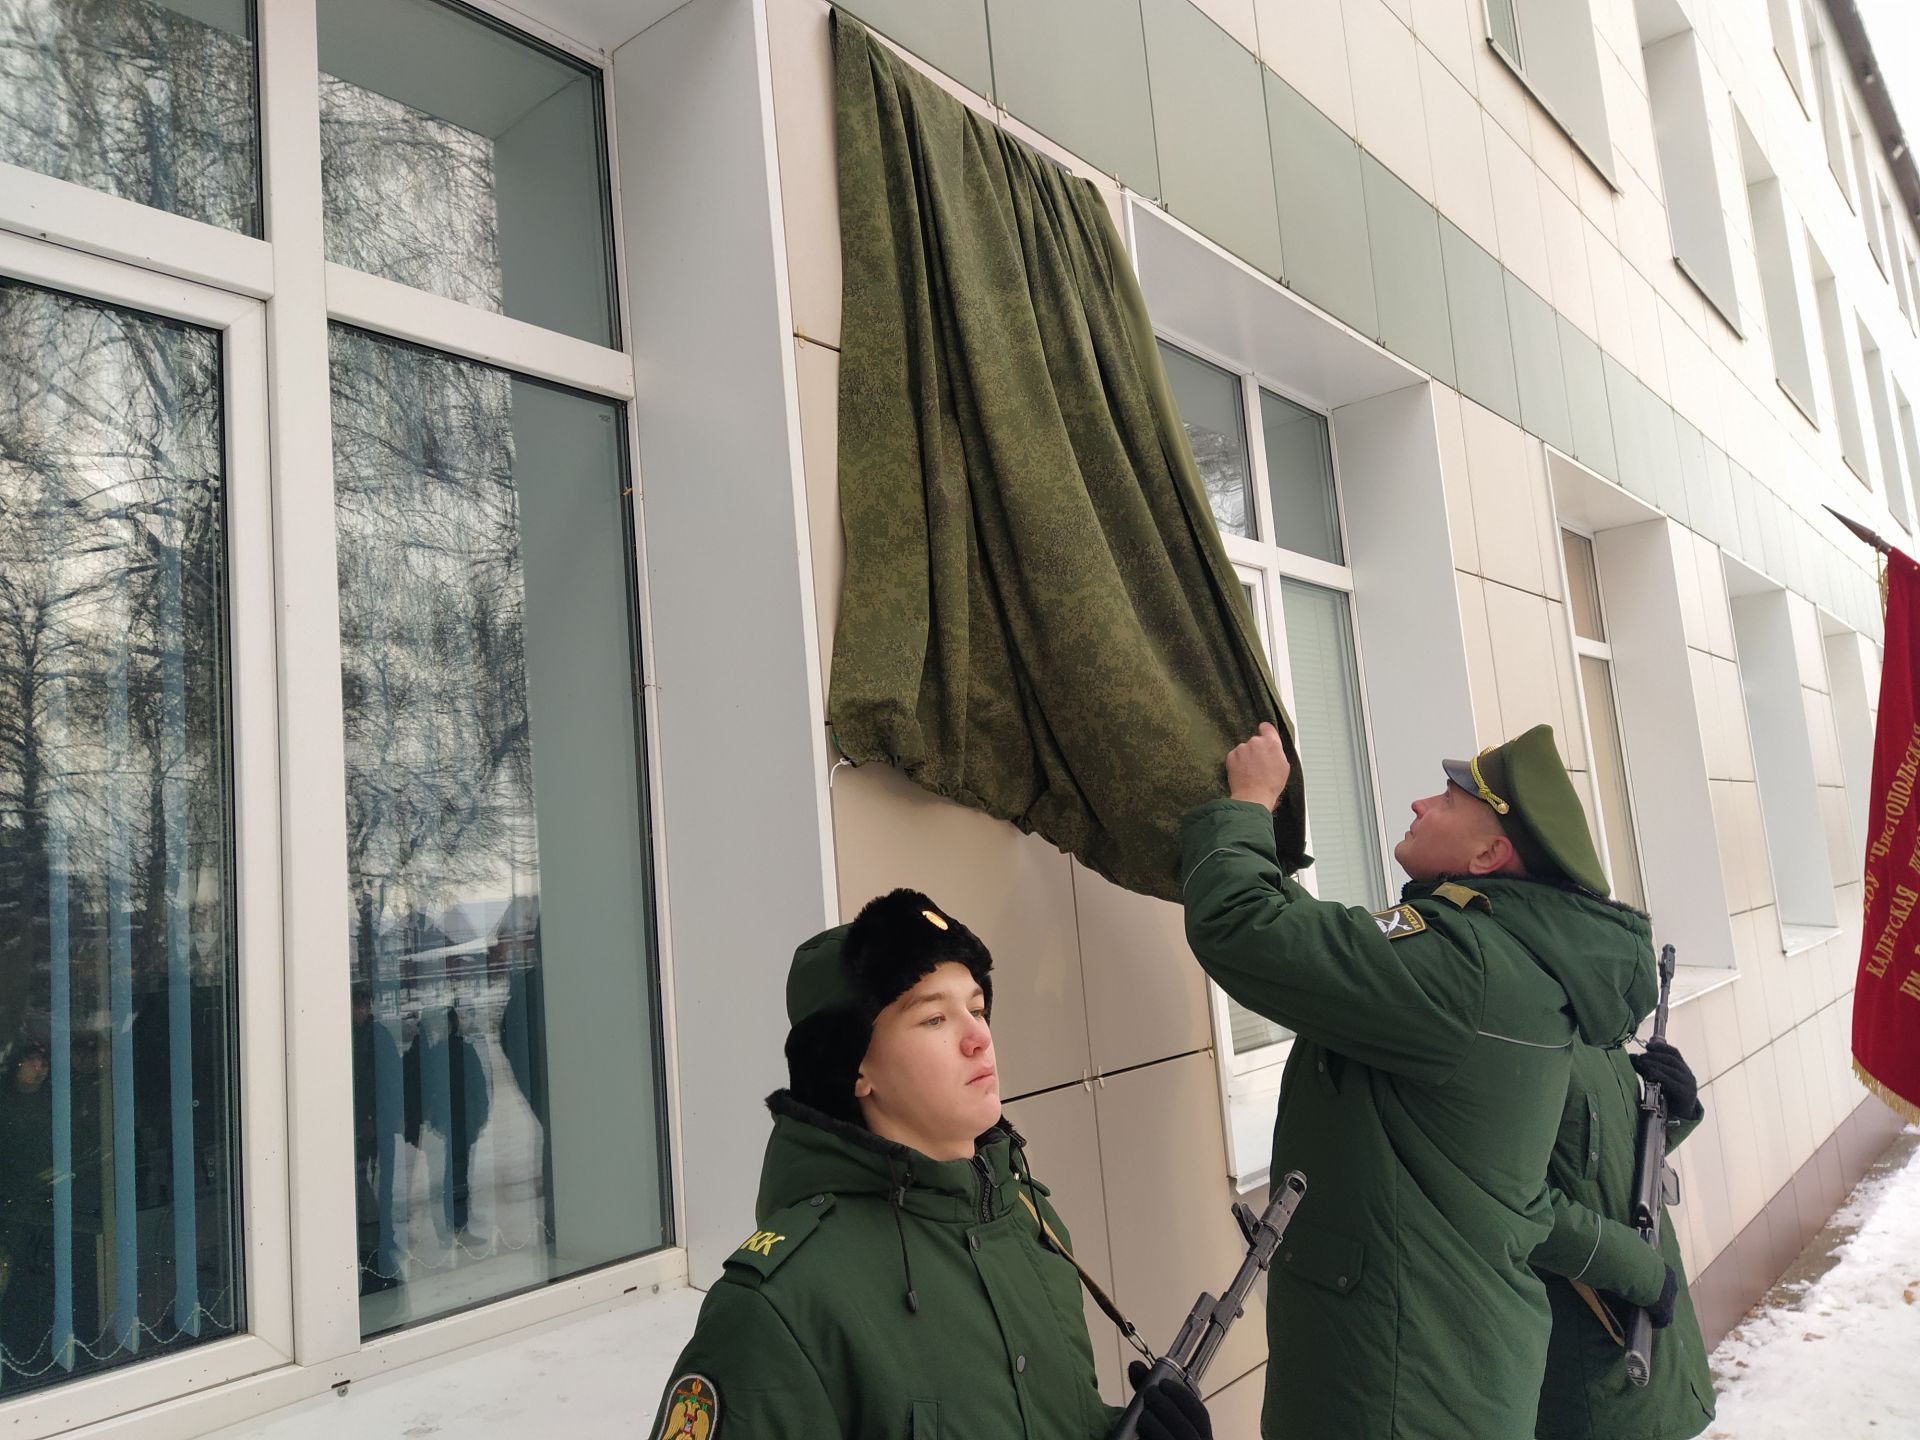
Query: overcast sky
[[1894, 28]]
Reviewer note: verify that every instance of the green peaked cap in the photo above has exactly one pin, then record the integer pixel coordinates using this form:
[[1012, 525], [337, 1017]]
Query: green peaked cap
[[818, 980], [1530, 790]]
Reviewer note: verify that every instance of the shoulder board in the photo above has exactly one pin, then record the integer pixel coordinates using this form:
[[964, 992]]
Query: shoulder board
[[1461, 897], [766, 1250], [1399, 922]]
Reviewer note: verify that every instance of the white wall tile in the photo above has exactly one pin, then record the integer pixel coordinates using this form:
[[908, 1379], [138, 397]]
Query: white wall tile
[[1481, 681], [1456, 477], [1516, 209], [1566, 240], [1456, 140], [1523, 660], [1503, 513], [1304, 42], [1385, 75]]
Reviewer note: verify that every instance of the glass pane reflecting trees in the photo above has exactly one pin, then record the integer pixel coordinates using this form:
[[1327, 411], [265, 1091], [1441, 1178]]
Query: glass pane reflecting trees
[[156, 103], [118, 1164], [495, 850]]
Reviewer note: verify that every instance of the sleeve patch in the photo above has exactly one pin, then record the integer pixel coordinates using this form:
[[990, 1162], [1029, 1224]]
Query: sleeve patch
[[693, 1410], [1399, 922]]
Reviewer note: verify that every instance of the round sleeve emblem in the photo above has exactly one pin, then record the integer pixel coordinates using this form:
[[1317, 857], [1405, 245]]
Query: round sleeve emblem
[[693, 1410]]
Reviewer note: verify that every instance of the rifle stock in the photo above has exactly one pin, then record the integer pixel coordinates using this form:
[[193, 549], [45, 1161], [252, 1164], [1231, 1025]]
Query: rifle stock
[[1649, 1181], [1192, 1351]]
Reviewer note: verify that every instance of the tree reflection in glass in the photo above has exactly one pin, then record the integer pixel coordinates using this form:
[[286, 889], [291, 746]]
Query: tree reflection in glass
[[484, 605], [118, 1171]]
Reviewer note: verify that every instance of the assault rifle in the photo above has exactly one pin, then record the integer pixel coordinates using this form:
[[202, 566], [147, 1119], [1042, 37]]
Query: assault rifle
[[1207, 1323], [1655, 1186]]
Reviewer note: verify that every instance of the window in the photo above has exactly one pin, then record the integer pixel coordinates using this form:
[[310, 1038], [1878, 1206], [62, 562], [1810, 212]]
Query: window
[[1620, 849], [383, 871], [1911, 439], [119, 1123], [1772, 686], [1874, 216], [1550, 45], [1827, 102], [1834, 341], [1299, 588], [1677, 91], [497, 144], [1892, 472], [1787, 47], [1779, 280], [1896, 263], [499, 944], [156, 103]]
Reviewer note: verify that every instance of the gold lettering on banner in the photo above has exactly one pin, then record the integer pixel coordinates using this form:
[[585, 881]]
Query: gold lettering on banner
[[1897, 915], [1899, 797], [1910, 987]]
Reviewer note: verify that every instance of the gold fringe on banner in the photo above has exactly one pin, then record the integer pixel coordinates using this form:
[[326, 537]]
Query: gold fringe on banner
[[1897, 1103]]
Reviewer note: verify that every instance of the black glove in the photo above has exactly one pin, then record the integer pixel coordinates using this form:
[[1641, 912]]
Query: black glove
[[1660, 1311], [1172, 1411], [1662, 1065]]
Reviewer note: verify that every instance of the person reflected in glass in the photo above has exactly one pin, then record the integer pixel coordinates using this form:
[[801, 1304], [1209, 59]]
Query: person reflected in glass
[[377, 1122]]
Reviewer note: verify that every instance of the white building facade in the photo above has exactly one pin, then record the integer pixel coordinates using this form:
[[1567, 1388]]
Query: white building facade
[[419, 562]]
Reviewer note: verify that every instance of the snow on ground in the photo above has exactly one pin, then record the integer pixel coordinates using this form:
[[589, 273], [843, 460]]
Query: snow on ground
[[1837, 1356]]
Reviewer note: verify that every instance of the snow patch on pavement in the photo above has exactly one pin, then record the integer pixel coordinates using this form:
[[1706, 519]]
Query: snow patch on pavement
[[1837, 1360]]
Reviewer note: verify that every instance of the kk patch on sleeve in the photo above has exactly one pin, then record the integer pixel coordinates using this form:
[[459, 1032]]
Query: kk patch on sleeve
[[693, 1410]]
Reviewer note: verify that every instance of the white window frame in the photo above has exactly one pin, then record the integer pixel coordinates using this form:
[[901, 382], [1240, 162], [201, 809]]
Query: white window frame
[[299, 1232], [1601, 650], [1255, 1077]]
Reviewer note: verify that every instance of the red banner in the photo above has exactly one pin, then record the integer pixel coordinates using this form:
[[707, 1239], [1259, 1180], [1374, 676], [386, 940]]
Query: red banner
[[1886, 998]]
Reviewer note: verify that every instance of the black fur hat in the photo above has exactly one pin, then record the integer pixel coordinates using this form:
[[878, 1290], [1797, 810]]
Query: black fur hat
[[842, 979]]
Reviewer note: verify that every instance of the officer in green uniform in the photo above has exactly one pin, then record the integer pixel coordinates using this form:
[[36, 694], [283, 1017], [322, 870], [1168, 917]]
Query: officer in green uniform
[[1425, 1090], [907, 1276], [1597, 1268]]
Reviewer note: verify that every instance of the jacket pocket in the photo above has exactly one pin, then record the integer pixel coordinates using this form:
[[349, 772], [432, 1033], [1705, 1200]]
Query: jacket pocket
[[1322, 1257], [926, 1420]]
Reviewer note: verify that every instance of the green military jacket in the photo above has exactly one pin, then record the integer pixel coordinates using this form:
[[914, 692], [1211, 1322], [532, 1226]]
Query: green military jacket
[[809, 1333], [1586, 1394], [1422, 1101]]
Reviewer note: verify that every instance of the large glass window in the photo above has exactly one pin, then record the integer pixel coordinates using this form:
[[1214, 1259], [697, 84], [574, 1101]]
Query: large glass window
[[506, 1045], [118, 1124], [462, 158], [153, 102]]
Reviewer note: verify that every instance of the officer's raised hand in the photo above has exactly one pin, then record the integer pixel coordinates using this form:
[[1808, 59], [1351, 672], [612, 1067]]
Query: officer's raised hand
[[1663, 1065], [1172, 1411], [1257, 768]]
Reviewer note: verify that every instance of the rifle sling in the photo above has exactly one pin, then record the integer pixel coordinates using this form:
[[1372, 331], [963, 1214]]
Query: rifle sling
[[1599, 1308], [1100, 1297]]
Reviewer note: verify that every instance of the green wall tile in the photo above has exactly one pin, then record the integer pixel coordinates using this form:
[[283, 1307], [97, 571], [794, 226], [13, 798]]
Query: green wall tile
[[1626, 402], [1591, 421], [1693, 473], [1663, 452], [1323, 208], [1409, 280], [1723, 526], [1076, 71], [1746, 509], [1477, 306], [1210, 125], [950, 36], [1536, 365]]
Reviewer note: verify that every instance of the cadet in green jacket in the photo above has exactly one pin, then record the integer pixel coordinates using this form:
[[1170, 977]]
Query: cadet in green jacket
[[1424, 1092], [1598, 1268], [907, 1277]]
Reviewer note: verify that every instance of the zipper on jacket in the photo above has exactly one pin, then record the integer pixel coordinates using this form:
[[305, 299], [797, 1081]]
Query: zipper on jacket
[[986, 1188]]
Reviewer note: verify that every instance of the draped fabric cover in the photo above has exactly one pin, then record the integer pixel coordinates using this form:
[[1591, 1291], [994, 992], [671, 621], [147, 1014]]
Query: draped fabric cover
[[1039, 618]]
